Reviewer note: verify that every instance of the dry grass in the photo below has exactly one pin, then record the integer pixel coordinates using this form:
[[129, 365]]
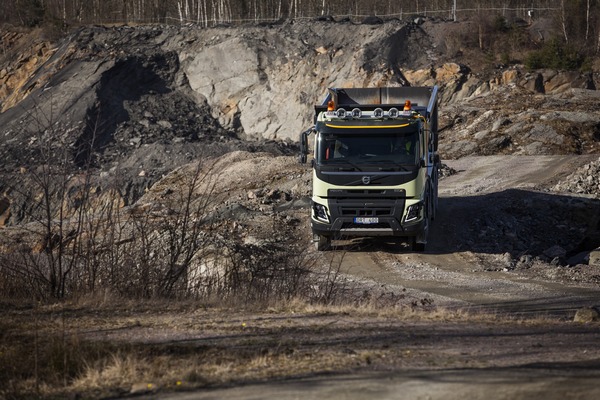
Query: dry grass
[[102, 347]]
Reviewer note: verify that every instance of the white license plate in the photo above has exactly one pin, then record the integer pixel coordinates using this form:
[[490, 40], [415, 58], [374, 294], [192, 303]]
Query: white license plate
[[366, 220]]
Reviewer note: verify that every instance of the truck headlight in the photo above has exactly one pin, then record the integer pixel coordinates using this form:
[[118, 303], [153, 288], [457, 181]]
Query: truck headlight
[[413, 212], [320, 212]]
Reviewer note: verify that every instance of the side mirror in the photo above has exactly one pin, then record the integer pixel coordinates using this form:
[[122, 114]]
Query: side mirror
[[422, 163], [304, 145]]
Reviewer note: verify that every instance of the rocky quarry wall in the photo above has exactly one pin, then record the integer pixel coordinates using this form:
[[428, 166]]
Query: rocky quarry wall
[[260, 82]]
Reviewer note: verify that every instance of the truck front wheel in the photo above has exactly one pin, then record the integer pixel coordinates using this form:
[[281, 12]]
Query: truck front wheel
[[417, 243], [416, 246], [322, 242]]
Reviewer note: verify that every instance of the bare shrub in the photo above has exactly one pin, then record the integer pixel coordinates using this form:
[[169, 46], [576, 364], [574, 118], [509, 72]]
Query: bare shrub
[[188, 226], [330, 287], [160, 241], [54, 201], [268, 271]]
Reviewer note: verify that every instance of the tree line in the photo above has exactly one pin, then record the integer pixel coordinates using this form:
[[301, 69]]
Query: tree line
[[577, 20], [32, 12]]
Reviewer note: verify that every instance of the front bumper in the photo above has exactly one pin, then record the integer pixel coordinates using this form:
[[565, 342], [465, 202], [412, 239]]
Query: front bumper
[[386, 226]]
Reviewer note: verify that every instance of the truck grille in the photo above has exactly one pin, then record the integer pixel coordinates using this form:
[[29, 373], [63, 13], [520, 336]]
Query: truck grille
[[369, 212], [363, 194], [348, 204]]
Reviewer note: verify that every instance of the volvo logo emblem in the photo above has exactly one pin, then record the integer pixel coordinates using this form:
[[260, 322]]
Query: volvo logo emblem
[[366, 180]]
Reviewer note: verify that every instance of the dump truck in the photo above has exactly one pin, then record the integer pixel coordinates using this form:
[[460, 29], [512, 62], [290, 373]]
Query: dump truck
[[375, 164]]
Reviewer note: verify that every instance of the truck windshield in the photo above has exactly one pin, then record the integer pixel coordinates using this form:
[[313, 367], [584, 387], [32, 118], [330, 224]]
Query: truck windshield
[[369, 148]]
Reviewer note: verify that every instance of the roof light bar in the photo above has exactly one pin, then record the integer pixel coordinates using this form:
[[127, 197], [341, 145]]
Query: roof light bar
[[340, 113], [379, 113]]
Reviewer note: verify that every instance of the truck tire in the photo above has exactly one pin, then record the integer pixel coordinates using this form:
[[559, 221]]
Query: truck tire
[[434, 195], [322, 242], [416, 246]]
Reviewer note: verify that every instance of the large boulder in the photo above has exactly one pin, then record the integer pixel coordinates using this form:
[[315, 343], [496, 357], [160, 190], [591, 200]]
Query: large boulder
[[561, 81]]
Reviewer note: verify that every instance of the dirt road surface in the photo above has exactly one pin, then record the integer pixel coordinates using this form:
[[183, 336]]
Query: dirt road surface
[[537, 383], [472, 264]]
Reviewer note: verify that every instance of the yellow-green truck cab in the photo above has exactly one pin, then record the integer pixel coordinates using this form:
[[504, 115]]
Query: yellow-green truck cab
[[375, 164]]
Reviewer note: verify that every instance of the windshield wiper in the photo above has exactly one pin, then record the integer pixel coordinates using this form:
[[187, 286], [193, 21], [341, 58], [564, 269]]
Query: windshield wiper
[[396, 165], [353, 167]]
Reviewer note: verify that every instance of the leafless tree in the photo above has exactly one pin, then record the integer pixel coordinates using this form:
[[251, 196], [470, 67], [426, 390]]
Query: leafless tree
[[187, 224], [56, 197], [563, 21]]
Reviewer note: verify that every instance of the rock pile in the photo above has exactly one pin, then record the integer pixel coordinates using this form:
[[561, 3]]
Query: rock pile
[[446, 171], [585, 180]]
